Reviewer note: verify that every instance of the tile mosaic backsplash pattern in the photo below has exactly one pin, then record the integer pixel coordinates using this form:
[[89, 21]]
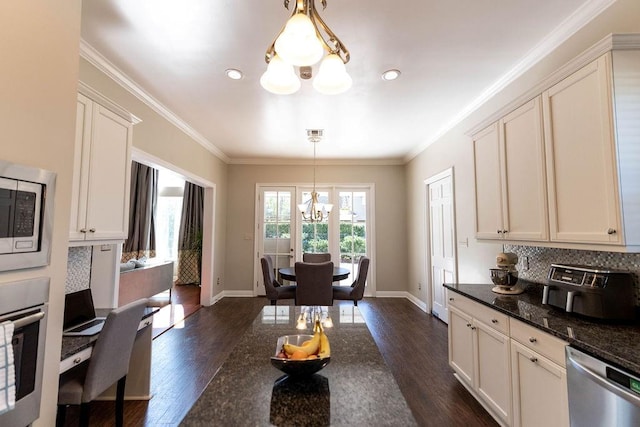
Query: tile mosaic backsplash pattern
[[540, 260], [78, 269]]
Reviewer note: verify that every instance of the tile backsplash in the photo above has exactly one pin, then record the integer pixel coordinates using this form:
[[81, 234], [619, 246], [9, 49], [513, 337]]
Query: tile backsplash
[[540, 260], [78, 269]]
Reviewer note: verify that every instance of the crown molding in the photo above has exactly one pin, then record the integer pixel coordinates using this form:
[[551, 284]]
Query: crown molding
[[96, 96], [319, 162], [96, 59], [609, 43], [585, 14]]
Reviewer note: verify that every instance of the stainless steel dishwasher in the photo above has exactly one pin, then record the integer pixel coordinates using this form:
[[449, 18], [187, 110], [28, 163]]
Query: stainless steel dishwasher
[[600, 394]]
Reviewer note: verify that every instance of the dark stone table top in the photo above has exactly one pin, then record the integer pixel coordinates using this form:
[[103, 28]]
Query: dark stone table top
[[617, 343], [355, 388]]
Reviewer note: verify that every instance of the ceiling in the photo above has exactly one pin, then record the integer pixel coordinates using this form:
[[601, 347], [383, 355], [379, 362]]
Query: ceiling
[[452, 55]]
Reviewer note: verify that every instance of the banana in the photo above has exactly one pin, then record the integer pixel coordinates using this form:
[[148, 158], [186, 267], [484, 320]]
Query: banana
[[310, 348], [325, 349]]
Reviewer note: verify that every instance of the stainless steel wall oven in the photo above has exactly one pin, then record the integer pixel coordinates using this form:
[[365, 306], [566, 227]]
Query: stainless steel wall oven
[[25, 303]]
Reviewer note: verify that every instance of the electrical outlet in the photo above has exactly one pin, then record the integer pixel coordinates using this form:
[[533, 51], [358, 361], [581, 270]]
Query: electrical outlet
[[218, 282], [419, 286], [525, 263]]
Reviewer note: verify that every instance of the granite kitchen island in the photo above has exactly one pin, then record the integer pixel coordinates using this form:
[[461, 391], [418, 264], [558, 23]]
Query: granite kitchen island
[[356, 388]]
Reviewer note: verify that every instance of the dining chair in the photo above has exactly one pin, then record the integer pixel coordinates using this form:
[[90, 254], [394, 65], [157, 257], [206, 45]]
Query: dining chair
[[108, 364], [355, 292], [274, 289], [314, 281], [316, 257]]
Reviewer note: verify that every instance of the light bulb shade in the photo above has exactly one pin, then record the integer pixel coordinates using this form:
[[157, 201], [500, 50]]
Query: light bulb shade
[[280, 77], [298, 44], [332, 77]]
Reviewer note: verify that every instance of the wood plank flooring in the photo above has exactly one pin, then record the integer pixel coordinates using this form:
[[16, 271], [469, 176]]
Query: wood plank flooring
[[413, 344]]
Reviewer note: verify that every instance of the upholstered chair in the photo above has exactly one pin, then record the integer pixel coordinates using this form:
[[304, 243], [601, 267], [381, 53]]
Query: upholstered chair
[[321, 257], [108, 364], [314, 281], [273, 289], [355, 292]]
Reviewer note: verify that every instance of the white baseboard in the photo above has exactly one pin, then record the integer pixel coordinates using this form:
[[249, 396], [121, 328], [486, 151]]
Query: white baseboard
[[238, 294], [402, 294]]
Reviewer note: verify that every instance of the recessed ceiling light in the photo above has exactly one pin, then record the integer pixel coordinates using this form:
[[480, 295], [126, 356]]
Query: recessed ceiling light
[[390, 75], [233, 74]]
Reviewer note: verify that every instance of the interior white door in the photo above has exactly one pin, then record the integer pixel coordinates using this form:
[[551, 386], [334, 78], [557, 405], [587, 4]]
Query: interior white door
[[442, 256], [276, 228]]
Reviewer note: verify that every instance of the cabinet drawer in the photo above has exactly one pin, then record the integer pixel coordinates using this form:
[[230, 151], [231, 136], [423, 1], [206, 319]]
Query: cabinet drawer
[[486, 315], [539, 341]]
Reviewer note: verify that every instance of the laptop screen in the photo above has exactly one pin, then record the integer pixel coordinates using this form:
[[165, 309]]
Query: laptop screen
[[78, 308]]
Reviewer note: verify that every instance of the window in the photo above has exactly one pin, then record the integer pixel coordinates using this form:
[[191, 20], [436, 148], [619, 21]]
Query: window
[[168, 213]]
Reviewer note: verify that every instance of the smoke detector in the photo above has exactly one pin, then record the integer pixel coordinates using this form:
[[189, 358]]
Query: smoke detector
[[315, 135]]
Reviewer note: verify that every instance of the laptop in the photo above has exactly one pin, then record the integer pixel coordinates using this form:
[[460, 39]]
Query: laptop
[[80, 315]]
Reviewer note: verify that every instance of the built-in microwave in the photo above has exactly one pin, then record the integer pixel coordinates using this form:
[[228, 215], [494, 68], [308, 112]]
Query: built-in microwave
[[26, 216]]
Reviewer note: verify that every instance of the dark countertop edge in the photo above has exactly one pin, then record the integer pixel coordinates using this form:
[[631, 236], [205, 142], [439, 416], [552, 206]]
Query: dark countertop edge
[[594, 350]]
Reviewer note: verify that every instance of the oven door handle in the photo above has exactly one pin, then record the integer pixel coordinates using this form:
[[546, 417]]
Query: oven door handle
[[610, 386], [27, 320]]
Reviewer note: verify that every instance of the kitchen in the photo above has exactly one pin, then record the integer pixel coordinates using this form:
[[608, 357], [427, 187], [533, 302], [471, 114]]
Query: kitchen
[[48, 95]]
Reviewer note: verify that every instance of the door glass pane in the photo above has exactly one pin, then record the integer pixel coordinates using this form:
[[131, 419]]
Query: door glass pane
[[315, 235], [353, 227], [277, 227]]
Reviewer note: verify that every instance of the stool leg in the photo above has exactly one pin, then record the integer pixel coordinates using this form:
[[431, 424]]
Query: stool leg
[[120, 401]]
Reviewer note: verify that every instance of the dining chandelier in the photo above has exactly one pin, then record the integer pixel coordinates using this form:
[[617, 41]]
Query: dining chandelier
[[312, 210], [302, 43]]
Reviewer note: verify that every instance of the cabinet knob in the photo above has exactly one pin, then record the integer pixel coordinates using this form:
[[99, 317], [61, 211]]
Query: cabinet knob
[[451, 299], [532, 339], [499, 231], [468, 325], [83, 230], [505, 231], [473, 328], [533, 359], [77, 360], [93, 230], [494, 321], [611, 231]]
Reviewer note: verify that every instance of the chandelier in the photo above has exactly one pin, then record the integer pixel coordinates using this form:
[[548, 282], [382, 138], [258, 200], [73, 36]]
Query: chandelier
[[301, 43], [312, 210]]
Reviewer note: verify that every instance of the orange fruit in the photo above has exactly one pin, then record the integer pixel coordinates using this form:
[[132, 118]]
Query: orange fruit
[[298, 355], [312, 356]]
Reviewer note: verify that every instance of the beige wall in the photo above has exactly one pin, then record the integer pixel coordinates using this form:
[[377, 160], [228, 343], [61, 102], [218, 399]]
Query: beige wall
[[37, 116], [161, 140], [390, 238], [455, 150]]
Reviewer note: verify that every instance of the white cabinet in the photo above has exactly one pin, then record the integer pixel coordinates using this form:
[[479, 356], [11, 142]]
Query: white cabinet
[[511, 194], [539, 378], [479, 353], [102, 169]]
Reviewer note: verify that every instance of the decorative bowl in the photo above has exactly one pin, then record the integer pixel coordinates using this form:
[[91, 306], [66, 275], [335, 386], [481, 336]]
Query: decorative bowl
[[297, 368]]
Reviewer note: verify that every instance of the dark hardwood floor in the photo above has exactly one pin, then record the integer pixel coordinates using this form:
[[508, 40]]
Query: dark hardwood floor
[[413, 344]]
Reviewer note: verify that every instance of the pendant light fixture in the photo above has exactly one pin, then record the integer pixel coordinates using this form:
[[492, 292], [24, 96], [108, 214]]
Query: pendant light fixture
[[302, 42], [312, 210]]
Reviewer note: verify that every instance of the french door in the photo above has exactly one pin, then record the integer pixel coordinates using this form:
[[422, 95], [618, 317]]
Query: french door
[[283, 234]]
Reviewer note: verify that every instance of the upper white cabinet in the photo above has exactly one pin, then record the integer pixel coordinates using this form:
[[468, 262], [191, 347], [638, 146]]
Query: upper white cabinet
[[102, 169], [592, 181], [511, 199], [562, 170]]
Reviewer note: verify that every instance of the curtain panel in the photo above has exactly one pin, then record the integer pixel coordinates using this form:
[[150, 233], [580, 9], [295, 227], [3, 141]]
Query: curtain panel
[[141, 240], [190, 235]]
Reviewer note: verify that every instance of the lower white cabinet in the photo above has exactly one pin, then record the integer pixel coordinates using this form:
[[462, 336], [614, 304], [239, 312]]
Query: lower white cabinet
[[479, 353], [515, 371]]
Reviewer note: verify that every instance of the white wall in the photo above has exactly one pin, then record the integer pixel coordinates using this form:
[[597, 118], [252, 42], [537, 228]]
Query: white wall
[[455, 149], [39, 42], [391, 232]]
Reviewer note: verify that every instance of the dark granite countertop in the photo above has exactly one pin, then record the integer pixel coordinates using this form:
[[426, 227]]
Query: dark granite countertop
[[618, 343], [74, 345], [356, 388]]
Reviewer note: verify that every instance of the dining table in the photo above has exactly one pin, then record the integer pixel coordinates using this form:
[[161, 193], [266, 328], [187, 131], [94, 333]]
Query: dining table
[[356, 388], [289, 273]]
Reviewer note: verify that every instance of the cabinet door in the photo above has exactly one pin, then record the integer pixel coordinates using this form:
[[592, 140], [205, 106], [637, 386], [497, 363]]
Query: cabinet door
[[524, 189], [486, 156], [580, 152], [539, 390], [80, 178], [461, 345], [109, 173], [493, 373]]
